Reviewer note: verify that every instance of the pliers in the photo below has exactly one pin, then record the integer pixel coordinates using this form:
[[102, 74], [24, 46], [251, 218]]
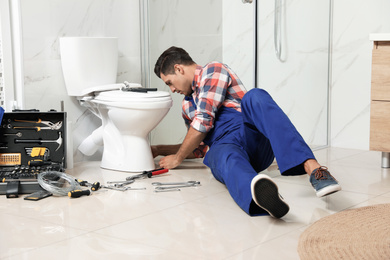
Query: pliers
[[50, 125]]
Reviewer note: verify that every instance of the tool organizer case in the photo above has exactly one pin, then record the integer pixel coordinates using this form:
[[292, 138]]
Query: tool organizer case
[[30, 142]]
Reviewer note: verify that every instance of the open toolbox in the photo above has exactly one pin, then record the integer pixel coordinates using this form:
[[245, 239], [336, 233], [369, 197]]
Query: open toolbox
[[30, 142]]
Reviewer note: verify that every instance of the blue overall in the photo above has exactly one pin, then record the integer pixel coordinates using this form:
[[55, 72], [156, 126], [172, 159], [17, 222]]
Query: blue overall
[[243, 144]]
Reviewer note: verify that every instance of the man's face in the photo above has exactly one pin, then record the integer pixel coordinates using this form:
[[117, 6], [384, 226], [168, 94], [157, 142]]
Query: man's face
[[179, 82]]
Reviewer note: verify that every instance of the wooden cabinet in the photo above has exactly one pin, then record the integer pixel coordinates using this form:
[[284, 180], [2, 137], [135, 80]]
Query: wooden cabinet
[[380, 95]]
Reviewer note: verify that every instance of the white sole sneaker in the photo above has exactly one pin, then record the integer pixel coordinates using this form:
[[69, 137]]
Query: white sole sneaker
[[265, 194], [328, 190]]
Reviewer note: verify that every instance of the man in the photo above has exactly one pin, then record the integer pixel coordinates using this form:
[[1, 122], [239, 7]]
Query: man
[[245, 132]]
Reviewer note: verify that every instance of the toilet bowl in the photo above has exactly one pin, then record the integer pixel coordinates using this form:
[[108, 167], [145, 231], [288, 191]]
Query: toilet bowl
[[89, 66]]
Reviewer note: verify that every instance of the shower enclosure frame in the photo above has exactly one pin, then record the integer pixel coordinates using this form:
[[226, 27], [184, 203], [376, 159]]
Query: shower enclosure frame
[[145, 56]]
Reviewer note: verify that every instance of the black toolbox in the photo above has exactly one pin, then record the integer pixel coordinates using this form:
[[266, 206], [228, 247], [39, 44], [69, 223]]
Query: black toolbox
[[30, 142]]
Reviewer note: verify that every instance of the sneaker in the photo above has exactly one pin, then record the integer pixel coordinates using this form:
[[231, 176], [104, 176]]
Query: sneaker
[[266, 196], [323, 182]]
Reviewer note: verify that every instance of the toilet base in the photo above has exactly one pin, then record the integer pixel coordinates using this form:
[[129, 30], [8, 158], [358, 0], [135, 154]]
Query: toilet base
[[129, 154]]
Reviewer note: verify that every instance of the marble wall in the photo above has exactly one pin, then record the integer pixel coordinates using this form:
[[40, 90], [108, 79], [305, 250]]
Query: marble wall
[[44, 22], [299, 84], [299, 81], [351, 69], [222, 32], [195, 26]]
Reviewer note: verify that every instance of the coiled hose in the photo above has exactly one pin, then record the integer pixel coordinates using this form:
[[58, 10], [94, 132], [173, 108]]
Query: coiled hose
[[57, 183]]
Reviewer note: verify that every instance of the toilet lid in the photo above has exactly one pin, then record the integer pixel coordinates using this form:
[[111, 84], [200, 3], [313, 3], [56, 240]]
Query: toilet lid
[[124, 96]]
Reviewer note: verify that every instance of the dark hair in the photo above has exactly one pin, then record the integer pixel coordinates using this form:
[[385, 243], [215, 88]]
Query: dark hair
[[169, 58]]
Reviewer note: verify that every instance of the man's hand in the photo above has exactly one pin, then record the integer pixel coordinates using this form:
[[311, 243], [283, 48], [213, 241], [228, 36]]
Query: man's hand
[[191, 141], [170, 161]]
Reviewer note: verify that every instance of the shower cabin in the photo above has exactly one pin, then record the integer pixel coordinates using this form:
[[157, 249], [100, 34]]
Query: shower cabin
[[282, 46]]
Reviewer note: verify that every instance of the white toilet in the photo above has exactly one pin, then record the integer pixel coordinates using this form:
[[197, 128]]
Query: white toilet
[[89, 66]]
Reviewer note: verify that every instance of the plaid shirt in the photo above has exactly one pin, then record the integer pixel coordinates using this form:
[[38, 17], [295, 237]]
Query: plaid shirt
[[214, 85]]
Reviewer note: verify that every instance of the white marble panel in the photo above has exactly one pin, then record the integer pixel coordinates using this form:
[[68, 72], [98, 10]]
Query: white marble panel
[[44, 21], [298, 83], [195, 26], [238, 39], [351, 68]]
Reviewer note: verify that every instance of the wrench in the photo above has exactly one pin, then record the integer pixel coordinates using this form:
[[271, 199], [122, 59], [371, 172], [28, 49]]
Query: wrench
[[174, 187], [176, 183], [121, 188], [113, 188], [120, 183], [129, 188]]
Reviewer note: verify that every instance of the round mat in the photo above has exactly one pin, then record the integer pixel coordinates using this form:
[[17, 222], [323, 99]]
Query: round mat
[[362, 233]]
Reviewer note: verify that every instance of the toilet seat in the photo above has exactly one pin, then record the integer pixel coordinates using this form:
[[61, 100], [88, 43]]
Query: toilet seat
[[128, 99]]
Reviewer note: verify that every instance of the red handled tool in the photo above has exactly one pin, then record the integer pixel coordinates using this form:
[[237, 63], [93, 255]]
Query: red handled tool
[[147, 174]]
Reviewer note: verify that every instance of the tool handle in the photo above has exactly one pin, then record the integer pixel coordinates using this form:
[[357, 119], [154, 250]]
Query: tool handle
[[37, 128], [27, 141], [157, 172], [78, 193], [81, 182], [95, 186], [29, 121], [38, 163]]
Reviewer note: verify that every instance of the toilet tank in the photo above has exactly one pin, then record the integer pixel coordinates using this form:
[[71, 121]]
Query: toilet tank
[[88, 63]]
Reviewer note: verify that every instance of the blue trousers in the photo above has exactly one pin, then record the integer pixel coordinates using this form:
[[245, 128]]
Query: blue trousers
[[243, 144]]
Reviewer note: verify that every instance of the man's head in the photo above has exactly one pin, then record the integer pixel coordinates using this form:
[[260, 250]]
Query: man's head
[[176, 68]]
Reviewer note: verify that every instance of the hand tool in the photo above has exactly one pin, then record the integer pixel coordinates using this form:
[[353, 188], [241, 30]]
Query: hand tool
[[58, 141], [8, 180], [147, 174], [177, 186], [175, 183], [114, 188], [143, 90], [120, 183], [94, 186], [38, 152], [129, 188], [38, 128], [38, 162], [55, 126], [18, 134], [78, 193], [173, 189]]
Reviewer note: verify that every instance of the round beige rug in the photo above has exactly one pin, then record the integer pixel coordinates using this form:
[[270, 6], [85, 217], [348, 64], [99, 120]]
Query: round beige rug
[[362, 233]]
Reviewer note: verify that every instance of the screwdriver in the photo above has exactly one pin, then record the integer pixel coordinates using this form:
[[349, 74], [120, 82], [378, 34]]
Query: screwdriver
[[94, 187], [78, 193], [39, 162], [147, 174]]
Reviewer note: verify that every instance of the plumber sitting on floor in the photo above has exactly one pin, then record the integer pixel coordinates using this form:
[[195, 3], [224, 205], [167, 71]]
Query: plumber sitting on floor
[[244, 130]]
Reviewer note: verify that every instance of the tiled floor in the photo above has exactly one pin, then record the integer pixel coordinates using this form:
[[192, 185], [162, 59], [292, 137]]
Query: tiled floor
[[194, 223]]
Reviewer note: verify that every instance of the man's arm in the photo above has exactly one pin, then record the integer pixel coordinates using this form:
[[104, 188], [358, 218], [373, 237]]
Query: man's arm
[[190, 143]]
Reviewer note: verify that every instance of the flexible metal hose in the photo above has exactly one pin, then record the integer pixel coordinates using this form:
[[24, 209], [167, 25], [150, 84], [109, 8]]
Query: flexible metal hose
[[58, 183]]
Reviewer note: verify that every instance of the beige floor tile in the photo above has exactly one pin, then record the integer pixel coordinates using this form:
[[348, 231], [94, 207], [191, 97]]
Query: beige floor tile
[[19, 234], [196, 223]]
